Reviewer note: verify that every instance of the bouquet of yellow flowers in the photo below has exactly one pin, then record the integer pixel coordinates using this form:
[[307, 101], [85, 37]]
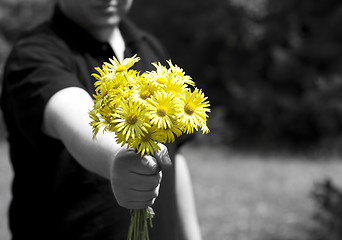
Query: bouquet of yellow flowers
[[144, 109]]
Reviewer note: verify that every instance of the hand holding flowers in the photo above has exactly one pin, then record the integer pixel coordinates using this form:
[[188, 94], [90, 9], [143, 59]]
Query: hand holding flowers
[[144, 110]]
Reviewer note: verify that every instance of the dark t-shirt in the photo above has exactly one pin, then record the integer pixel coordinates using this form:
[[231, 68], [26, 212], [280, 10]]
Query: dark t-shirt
[[53, 196]]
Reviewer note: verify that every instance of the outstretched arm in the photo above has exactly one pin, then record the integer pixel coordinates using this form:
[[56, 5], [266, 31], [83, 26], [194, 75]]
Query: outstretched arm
[[66, 118], [135, 180]]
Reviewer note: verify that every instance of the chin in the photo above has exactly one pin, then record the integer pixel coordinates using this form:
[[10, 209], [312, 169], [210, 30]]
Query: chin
[[108, 22]]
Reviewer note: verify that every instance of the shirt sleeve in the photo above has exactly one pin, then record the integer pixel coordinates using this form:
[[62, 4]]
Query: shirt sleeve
[[35, 71]]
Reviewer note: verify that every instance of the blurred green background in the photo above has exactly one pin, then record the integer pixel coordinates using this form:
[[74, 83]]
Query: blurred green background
[[273, 74]]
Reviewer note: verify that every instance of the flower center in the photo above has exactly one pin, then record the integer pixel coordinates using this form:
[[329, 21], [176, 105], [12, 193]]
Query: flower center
[[109, 117], [161, 112], [161, 80], [146, 137], [125, 95], [132, 118], [145, 94], [120, 68], [189, 108]]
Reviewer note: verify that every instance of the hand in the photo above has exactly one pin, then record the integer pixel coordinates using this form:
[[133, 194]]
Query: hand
[[135, 180]]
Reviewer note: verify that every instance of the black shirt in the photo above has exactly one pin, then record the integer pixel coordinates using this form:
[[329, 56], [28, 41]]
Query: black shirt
[[53, 196]]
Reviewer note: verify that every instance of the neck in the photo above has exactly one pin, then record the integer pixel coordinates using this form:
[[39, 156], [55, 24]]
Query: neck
[[104, 34], [113, 36]]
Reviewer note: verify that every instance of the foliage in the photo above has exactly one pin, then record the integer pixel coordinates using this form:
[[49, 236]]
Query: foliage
[[328, 198], [275, 67]]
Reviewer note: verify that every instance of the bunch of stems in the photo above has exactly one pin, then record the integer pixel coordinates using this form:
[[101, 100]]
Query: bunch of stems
[[138, 228]]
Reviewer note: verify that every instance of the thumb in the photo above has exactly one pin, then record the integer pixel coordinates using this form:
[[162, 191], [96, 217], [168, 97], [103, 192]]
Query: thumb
[[162, 157]]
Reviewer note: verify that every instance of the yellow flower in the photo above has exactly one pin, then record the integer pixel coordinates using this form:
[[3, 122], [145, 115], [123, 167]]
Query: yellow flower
[[95, 122], [121, 139], [132, 78], [192, 108], [159, 77], [168, 134], [175, 87], [105, 72], [108, 86], [130, 120], [122, 66], [179, 74], [161, 110], [147, 144], [125, 90], [205, 128], [101, 119], [143, 90]]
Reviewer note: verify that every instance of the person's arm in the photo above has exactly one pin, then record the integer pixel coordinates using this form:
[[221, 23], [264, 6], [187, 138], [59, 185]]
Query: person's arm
[[66, 118], [135, 180], [189, 225]]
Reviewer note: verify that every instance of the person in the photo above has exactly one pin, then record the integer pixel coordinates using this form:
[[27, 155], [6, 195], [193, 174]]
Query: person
[[67, 185]]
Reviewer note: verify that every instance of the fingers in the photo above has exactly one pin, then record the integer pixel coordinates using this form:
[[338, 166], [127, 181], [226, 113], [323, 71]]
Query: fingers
[[136, 180], [163, 158], [147, 165], [140, 191], [132, 162], [144, 182], [142, 199]]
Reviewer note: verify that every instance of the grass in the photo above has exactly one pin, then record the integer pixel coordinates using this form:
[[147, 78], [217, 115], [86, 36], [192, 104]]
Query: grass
[[253, 196], [238, 196]]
